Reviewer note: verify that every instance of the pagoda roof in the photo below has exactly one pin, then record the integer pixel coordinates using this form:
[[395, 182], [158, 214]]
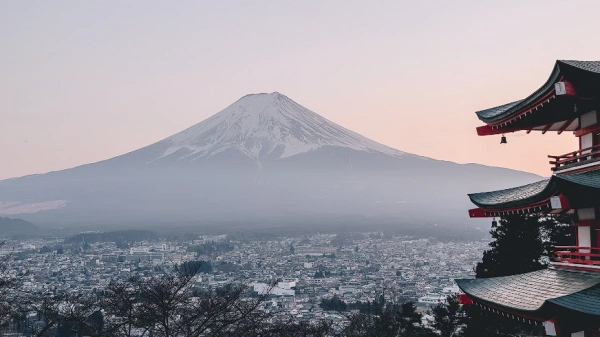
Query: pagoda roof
[[571, 69], [586, 301], [516, 196], [496, 112], [588, 178], [529, 292], [539, 192]]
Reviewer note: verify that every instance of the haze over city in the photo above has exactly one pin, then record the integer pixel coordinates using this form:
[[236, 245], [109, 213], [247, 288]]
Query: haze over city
[[87, 81]]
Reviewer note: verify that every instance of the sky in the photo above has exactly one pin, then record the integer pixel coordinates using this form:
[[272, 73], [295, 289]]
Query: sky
[[83, 81]]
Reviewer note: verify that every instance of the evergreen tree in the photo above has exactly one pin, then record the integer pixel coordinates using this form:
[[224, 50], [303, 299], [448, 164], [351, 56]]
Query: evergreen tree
[[335, 303], [390, 320], [448, 318], [517, 248], [521, 244], [557, 231], [410, 322]]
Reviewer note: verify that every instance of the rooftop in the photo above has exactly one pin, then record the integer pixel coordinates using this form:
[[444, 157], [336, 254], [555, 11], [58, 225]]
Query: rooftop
[[574, 290], [532, 194], [571, 69]]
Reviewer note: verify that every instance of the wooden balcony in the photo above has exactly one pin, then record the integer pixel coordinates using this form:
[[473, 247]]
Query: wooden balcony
[[577, 255], [576, 158]]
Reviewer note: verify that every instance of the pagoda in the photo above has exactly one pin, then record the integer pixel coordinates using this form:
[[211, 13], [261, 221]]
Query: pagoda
[[565, 297]]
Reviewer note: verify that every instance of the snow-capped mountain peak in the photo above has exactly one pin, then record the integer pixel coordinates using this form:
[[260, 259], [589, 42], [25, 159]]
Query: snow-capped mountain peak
[[266, 126]]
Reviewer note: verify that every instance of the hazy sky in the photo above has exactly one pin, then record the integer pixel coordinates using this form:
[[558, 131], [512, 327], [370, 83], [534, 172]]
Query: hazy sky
[[82, 81]]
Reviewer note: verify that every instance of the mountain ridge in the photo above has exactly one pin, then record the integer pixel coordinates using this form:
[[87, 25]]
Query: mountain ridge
[[262, 158]]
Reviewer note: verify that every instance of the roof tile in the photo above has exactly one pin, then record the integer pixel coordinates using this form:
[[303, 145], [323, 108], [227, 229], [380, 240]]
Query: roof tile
[[529, 291]]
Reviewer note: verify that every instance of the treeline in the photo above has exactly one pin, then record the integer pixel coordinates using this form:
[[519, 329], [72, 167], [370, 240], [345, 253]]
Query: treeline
[[210, 248], [199, 266], [162, 303], [168, 304], [125, 236], [370, 307]]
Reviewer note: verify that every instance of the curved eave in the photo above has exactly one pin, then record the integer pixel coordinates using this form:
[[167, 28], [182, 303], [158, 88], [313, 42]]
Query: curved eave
[[553, 114], [530, 292], [582, 189], [586, 301], [572, 70], [515, 197], [542, 207]]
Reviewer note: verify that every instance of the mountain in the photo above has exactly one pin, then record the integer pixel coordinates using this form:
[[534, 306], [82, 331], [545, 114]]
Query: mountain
[[263, 128], [10, 226], [263, 159]]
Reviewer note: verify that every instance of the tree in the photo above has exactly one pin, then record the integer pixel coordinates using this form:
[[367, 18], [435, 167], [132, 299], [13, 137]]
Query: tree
[[119, 303], [161, 299], [46, 306], [167, 305], [411, 322], [522, 243], [391, 320], [225, 312], [448, 318], [292, 328], [517, 248], [334, 304], [67, 314], [557, 231]]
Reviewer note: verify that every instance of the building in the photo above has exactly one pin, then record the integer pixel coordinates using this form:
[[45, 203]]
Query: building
[[431, 299], [283, 288], [565, 298]]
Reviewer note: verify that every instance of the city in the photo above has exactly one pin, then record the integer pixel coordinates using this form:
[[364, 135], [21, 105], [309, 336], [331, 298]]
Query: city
[[354, 267], [337, 168]]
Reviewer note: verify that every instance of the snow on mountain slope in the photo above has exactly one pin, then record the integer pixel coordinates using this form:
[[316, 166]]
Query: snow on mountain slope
[[266, 126]]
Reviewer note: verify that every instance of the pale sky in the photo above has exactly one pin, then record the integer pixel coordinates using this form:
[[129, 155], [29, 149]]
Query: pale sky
[[83, 81]]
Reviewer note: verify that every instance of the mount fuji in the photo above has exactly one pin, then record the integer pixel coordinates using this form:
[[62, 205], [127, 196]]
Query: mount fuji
[[263, 159], [266, 127]]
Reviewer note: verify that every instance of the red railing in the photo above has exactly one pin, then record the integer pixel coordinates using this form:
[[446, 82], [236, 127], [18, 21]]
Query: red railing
[[576, 158], [577, 254]]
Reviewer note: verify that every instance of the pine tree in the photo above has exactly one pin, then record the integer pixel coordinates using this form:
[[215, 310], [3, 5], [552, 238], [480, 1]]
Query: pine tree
[[557, 231], [448, 318], [521, 244], [517, 248]]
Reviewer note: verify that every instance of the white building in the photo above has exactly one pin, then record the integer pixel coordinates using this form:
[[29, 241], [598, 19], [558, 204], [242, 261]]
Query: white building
[[432, 299], [281, 289]]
